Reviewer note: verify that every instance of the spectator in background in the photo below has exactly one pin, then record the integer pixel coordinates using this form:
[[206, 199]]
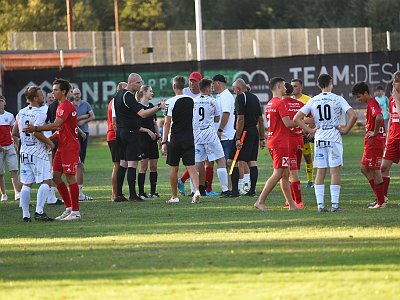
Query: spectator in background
[[383, 103], [7, 151], [112, 144], [85, 115]]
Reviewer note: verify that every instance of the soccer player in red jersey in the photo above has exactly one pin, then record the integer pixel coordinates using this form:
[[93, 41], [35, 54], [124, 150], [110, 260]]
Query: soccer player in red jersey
[[296, 146], [374, 142], [278, 123], [392, 150], [66, 157]]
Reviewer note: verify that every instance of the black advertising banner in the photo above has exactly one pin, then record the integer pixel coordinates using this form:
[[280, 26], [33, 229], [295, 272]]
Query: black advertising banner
[[98, 84]]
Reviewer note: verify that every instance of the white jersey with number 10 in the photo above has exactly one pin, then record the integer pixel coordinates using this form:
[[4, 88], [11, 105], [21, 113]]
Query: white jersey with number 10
[[327, 110]]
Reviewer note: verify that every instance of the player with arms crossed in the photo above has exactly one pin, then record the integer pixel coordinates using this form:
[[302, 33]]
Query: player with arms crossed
[[326, 108]]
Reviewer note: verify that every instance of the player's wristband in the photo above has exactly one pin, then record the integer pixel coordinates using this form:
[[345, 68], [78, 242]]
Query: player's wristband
[[238, 139], [220, 130], [262, 139], [163, 143]]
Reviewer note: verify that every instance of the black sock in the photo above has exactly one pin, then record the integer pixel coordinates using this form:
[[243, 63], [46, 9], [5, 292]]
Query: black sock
[[235, 180], [253, 178], [202, 190], [132, 182], [153, 182], [141, 178], [120, 179]]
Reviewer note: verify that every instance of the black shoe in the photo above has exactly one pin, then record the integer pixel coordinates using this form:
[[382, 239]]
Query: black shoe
[[143, 196], [225, 194], [42, 217], [372, 204], [202, 193], [27, 220], [136, 198], [192, 194], [234, 195], [250, 194], [58, 202], [120, 199]]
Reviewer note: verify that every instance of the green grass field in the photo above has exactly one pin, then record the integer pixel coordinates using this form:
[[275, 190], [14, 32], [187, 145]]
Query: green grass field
[[220, 249]]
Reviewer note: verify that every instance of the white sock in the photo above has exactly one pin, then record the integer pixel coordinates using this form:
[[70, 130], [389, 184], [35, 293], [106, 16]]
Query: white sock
[[42, 195], [25, 198], [319, 194], [191, 186], [240, 184], [222, 174], [51, 196], [335, 193], [246, 178], [80, 190]]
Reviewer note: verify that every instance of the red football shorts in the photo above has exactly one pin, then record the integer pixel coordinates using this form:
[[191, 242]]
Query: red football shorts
[[66, 162], [372, 157], [392, 150], [280, 157]]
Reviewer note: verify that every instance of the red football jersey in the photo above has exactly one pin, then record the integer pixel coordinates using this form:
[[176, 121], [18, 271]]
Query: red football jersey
[[394, 130], [6, 121], [278, 133], [68, 131], [110, 130], [374, 109], [293, 106]]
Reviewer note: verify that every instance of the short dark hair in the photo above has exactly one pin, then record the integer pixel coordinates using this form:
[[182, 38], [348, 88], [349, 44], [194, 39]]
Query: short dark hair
[[31, 92], [289, 88], [2, 98], [274, 81], [324, 80], [360, 88], [297, 80], [204, 83], [64, 85], [379, 88], [179, 82]]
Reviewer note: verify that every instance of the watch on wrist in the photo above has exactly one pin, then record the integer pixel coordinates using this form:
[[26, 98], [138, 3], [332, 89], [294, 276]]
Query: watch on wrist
[[220, 130]]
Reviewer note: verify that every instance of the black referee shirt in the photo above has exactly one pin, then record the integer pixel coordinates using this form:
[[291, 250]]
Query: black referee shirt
[[126, 109]]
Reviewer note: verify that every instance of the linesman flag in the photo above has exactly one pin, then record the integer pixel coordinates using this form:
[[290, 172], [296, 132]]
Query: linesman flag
[[237, 152]]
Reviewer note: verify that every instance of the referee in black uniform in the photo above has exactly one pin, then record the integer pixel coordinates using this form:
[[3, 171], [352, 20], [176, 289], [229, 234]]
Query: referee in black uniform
[[128, 114], [248, 117]]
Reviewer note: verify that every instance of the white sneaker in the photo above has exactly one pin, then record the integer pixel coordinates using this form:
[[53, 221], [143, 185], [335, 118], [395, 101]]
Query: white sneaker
[[246, 187], [173, 200], [73, 216], [84, 197], [4, 197], [17, 196], [196, 198], [64, 215]]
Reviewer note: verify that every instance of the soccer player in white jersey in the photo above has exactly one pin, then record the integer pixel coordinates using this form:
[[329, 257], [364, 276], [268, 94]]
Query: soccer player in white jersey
[[207, 144], [326, 109], [35, 163]]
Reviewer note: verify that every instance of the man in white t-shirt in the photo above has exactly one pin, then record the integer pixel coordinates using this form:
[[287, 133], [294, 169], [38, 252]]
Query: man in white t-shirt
[[207, 144], [327, 109], [7, 151]]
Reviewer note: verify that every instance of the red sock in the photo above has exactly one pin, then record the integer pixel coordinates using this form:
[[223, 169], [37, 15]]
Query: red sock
[[296, 190], [209, 178], [292, 192], [386, 181], [379, 193], [185, 176], [63, 190], [74, 194]]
